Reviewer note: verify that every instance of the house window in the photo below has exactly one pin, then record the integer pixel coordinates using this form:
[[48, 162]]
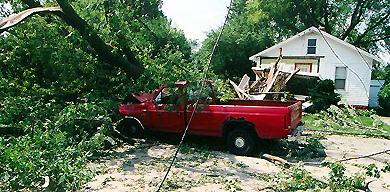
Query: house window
[[303, 67], [340, 77], [311, 46]]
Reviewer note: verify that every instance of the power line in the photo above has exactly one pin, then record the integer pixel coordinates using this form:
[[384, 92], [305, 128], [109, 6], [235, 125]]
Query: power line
[[368, 65], [197, 101], [361, 81]]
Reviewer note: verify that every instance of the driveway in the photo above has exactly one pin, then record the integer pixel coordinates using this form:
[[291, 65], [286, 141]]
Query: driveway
[[201, 168], [385, 119]]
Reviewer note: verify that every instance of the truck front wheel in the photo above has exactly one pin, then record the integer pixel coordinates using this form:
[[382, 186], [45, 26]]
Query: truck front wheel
[[241, 142], [130, 128]]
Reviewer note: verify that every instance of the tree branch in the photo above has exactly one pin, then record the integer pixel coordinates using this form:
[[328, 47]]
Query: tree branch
[[13, 20], [326, 16], [132, 67], [105, 53], [376, 24], [375, 40], [355, 18]]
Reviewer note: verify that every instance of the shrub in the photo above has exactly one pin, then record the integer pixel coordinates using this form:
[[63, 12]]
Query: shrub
[[384, 99], [323, 95], [300, 85]]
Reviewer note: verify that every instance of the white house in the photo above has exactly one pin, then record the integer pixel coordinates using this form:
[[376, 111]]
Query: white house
[[317, 53]]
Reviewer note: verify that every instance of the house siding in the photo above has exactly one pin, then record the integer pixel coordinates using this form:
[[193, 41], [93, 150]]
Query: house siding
[[355, 92]]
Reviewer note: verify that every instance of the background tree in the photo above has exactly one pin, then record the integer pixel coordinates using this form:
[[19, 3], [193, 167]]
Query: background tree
[[360, 22], [258, 24], [240, 40]]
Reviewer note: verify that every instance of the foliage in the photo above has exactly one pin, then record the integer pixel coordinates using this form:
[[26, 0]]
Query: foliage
[[304, 148], [297, 178], [339, 181], [323, 95], [54, 145], [386, 169], [55, 56], [347, 120], [223, 90], [372, 170], [381, 72], [384, 99], [28, 159], [239, 41], [301, 86]]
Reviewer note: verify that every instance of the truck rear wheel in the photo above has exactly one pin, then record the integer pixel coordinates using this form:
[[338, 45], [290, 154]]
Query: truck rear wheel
[[241, 142]]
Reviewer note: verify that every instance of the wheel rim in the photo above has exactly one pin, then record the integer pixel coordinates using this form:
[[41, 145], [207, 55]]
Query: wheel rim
[[239, 142]]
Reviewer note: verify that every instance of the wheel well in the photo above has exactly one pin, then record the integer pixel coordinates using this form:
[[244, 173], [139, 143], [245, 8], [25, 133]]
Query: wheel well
[[233, 124], [132, 121]]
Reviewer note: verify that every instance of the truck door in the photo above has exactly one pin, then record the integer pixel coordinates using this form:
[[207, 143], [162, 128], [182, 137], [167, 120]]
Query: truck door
[[205, 121], [168, 115]]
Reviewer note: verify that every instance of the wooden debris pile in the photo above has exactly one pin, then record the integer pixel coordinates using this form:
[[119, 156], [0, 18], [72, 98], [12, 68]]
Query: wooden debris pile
[[269, 81]]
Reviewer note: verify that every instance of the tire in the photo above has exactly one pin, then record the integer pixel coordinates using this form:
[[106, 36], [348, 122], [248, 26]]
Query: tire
[[130, 128], [241, 142]]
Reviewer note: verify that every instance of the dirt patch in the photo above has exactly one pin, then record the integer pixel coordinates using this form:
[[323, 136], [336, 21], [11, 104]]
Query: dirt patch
[[142, 166]]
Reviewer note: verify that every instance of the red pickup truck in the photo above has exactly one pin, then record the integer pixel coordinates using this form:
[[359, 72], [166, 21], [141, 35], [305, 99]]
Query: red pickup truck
[[239, 122]]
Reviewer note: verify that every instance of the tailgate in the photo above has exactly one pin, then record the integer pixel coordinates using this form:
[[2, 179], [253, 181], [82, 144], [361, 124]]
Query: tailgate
[[295, 113]]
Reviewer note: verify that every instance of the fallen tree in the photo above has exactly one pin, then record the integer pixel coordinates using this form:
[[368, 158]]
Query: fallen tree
[[128, 63]]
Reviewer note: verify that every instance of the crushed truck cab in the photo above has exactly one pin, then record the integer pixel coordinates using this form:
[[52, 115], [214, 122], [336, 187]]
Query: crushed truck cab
[[240, 122]]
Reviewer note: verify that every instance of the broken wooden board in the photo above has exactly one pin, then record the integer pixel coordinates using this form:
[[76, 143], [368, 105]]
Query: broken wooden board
[[240, 92], [259, 89]]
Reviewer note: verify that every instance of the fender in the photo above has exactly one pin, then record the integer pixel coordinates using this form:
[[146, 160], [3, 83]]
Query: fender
[[134, 118]]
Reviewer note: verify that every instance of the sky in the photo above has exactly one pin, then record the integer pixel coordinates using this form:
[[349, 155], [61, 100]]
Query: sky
[[196, 17]]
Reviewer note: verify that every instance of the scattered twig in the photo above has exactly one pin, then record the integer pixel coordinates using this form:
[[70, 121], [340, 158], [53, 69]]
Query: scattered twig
[[333, 132], [351, 158], [365, 156], [266, 188]]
